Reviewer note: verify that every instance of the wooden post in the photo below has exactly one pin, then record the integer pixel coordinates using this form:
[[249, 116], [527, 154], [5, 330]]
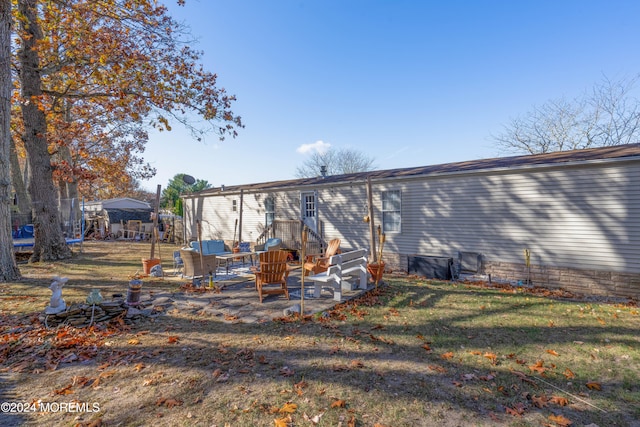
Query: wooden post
[[380, 264], [240, 216], [199, 230], [372, 228], [155, 223], [235, 228]]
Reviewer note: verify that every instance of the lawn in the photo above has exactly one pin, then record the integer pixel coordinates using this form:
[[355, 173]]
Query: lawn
[[411, 353]]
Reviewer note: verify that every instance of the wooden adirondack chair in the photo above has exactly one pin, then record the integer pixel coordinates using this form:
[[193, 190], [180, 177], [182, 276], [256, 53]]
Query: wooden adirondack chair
[[271, 278], [315, 264]]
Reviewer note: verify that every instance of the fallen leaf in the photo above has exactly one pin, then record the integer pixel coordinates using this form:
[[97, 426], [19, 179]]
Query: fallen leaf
[[282, 422], [560, 420], [592, 385], [540, 402], [516, 411], [552, 352], [538, 367], [492, 357], [567, 373], [173, 339], [357, 364], [560, 401], [95, 423], [288, 408], [447, 355], [134, 341], [338, 403], [170, 403], [313, 420], [64, 390], [286, 372]]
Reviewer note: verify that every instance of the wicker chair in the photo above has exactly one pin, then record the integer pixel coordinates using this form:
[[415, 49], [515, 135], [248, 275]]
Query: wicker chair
[[192, 266]]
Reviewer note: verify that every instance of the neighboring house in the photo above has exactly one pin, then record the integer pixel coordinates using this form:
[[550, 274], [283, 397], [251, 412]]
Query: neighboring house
[[109, 218], [577, 212]]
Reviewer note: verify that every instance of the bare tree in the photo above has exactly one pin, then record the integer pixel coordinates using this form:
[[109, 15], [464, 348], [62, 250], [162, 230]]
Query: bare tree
[[336, 162], [8, 267], [608, 115]]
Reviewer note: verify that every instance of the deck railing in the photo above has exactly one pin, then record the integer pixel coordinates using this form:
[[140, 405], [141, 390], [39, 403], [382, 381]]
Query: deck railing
[[290, 232]]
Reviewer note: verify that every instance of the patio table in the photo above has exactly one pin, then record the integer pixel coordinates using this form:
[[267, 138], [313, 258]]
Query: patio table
[[229, 258]]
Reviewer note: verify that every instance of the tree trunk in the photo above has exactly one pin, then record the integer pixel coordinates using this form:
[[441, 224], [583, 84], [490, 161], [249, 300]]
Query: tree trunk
[[8, 268], [49, 242], [18, 182]]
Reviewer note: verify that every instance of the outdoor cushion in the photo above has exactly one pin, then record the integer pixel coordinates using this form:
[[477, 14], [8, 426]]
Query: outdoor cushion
[[273, 241], [210, 247]]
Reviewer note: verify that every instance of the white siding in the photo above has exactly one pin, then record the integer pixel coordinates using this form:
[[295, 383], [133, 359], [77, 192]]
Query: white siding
[[582, 217], [342, 208]]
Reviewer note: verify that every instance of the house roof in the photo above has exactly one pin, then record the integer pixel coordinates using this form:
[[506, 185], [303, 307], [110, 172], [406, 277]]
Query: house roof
[[555, 158], [124, 215]]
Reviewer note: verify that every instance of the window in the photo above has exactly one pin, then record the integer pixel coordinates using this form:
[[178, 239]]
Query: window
[[269, 210], [234, 205], [391, 211]]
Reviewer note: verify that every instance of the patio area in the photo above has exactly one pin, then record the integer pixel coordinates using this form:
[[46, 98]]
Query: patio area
[[234, 298]]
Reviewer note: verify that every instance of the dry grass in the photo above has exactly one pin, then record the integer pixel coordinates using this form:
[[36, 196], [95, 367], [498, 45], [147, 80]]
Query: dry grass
[[414, 353]]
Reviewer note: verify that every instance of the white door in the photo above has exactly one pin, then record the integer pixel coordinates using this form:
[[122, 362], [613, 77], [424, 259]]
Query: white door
[[309, 210]]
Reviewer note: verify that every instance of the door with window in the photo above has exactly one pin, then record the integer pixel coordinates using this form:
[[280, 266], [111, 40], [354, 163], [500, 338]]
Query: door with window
[[309, 210]]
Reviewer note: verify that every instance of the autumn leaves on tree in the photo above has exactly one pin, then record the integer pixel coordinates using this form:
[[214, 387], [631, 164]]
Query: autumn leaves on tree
[[93, 77]]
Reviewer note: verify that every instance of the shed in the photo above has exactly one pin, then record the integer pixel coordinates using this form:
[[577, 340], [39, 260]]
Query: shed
[[121, 217], [577, 213]]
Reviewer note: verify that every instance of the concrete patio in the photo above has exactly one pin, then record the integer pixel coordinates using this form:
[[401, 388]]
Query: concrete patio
[[238, 302]]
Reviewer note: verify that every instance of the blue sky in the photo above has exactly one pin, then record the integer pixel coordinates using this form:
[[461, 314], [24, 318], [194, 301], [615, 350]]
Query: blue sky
[[409, 83]]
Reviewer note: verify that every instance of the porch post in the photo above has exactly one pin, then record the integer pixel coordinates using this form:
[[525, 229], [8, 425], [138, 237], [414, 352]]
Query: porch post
[[372, 228]]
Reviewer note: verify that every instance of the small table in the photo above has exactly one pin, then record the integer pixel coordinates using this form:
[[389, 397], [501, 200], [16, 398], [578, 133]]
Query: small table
[[230, 257]]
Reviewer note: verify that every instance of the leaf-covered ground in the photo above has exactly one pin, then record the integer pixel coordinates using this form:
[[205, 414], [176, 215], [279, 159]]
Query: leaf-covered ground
[[412, 353]]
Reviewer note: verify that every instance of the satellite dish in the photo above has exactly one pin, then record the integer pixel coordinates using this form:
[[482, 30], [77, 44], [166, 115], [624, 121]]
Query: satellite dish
[[188, 179]]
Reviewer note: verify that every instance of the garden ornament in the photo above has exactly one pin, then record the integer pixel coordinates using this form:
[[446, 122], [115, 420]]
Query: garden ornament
[[57, 304]]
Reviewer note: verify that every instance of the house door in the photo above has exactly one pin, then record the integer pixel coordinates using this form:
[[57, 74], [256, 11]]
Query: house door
[[309, 210]]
